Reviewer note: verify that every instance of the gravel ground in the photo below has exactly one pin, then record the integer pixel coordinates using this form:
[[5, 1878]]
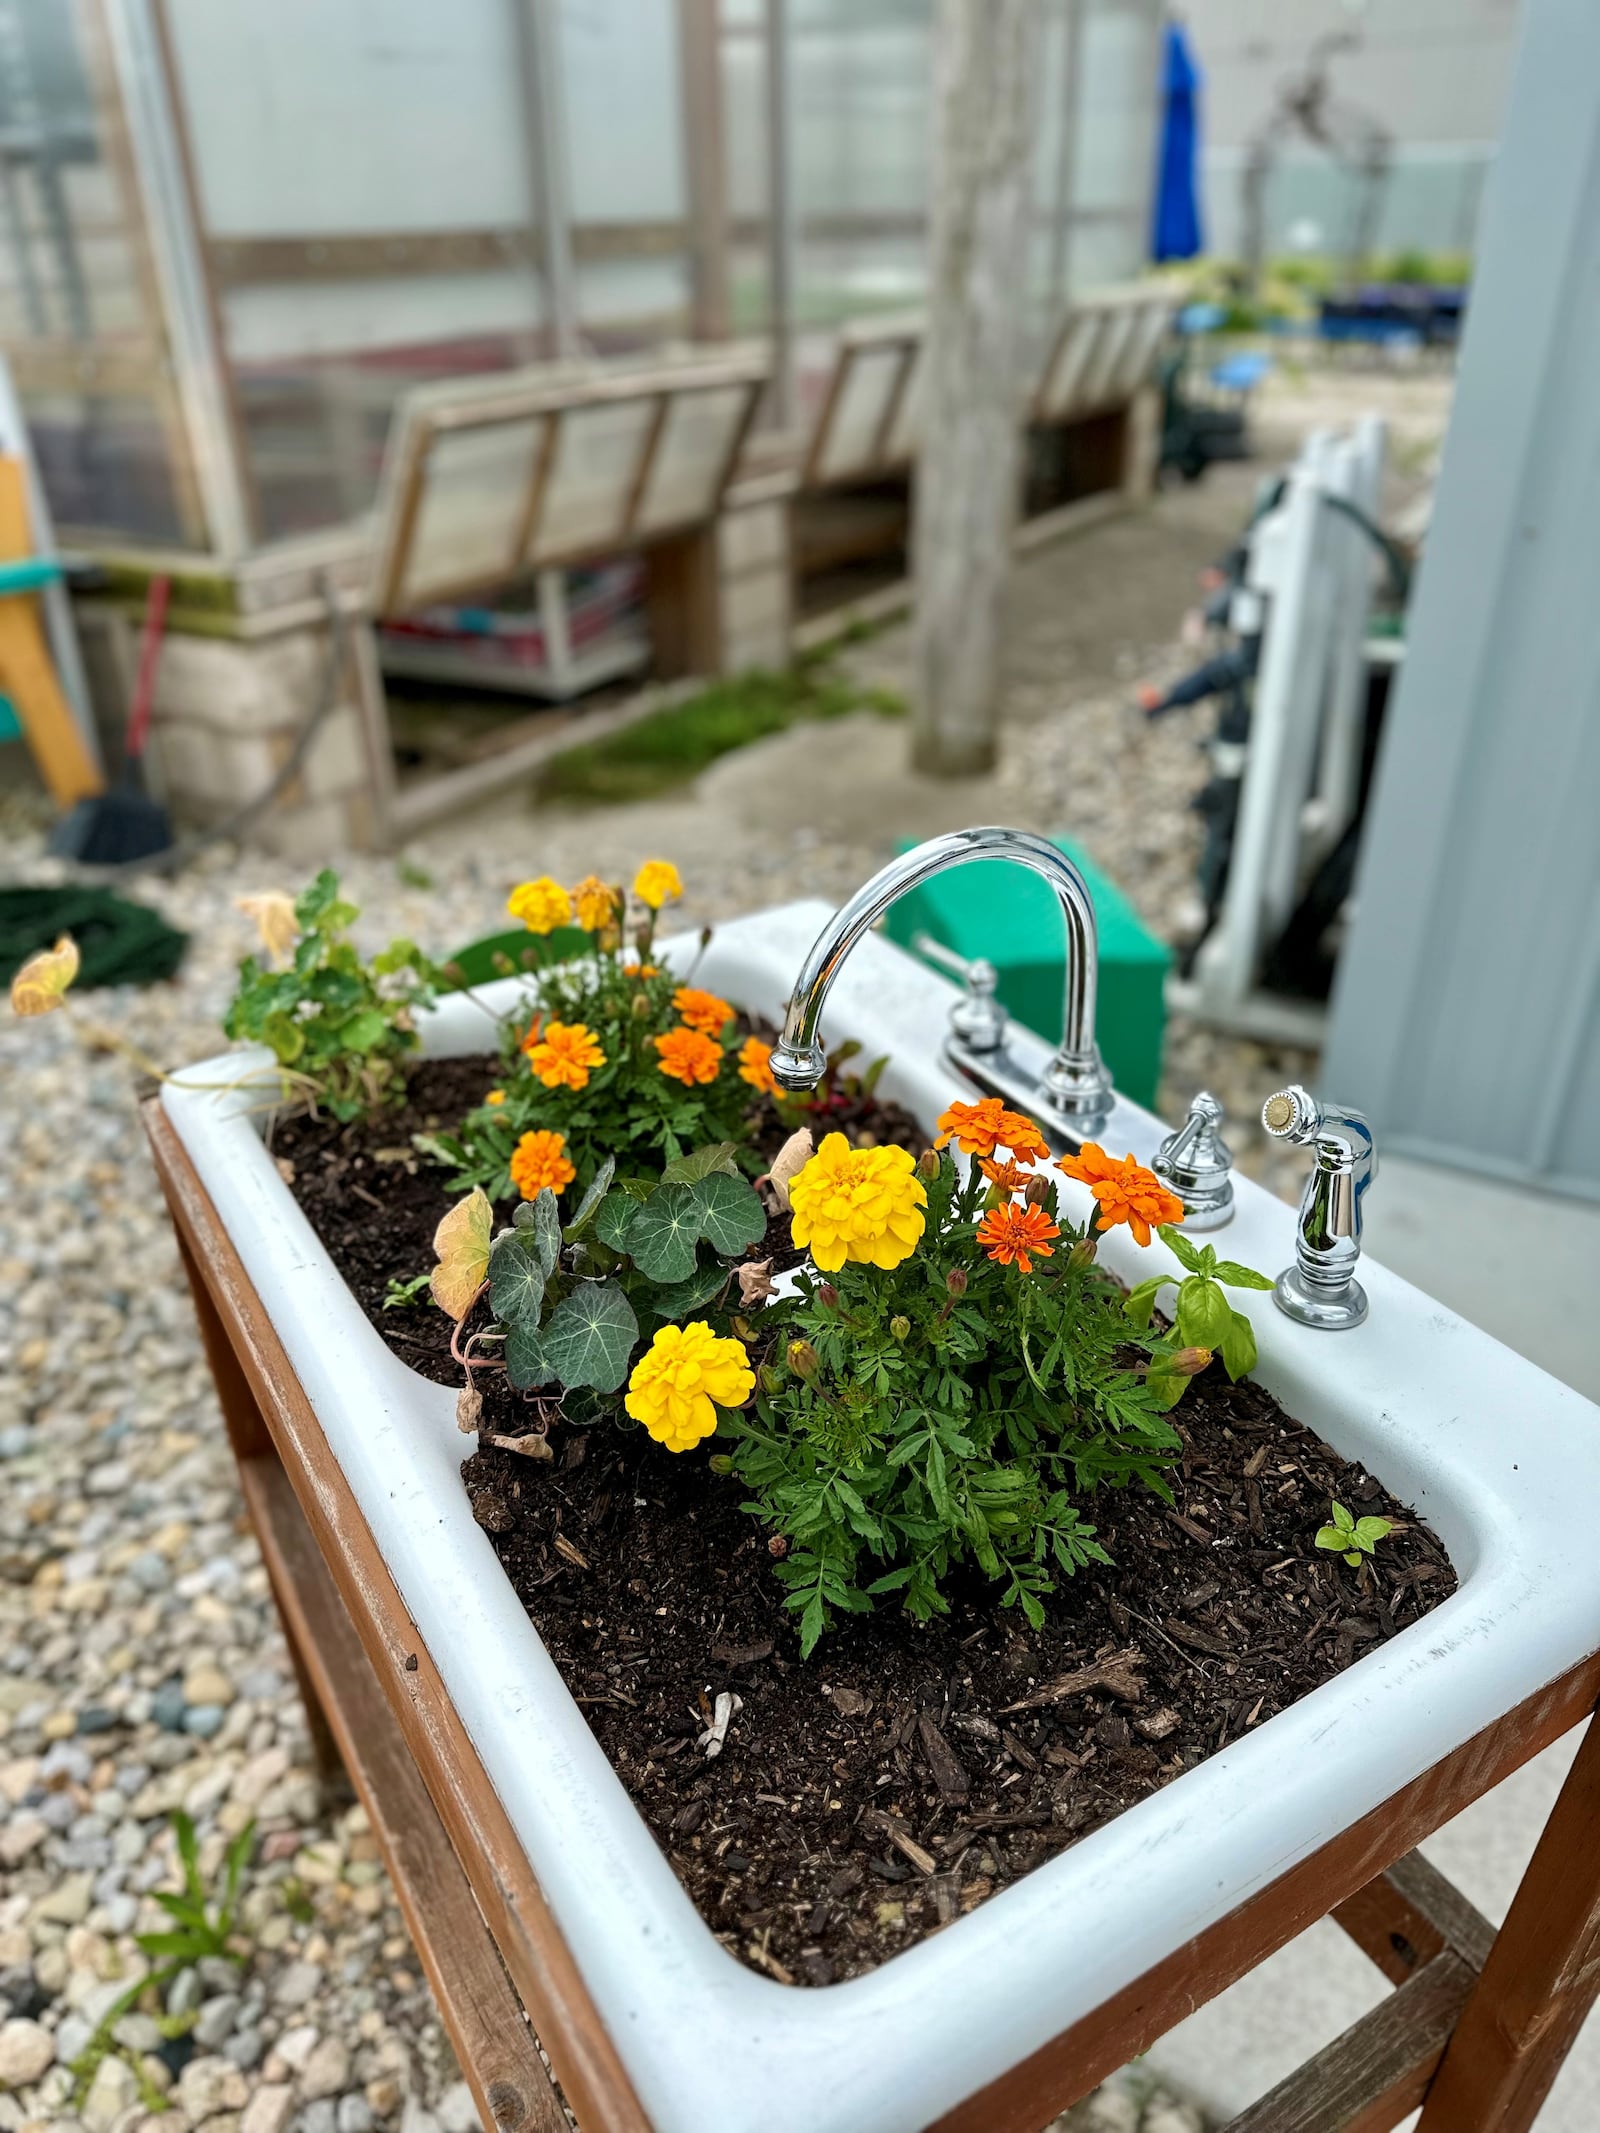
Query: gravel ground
[[141, 1668]]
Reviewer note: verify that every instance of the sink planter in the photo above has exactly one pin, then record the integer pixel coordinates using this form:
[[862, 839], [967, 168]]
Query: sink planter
[[1024, 2003]]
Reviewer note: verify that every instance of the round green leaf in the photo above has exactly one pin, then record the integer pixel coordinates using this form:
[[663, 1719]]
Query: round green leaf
[[663, 1233], [516, 1278], [731, 1214], [590, 1336], [614, 1218], [527, 1365]]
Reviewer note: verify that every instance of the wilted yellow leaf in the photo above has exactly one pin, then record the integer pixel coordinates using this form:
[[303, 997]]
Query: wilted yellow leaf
[[461, 1244], [273, 913], [41, 984]]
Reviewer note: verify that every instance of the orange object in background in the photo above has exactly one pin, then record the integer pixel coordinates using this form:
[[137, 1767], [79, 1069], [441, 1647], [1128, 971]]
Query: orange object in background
[[27, 672]]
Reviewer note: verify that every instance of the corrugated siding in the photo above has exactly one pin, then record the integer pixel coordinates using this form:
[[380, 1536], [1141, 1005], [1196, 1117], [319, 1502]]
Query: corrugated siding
[[1467, 1018]]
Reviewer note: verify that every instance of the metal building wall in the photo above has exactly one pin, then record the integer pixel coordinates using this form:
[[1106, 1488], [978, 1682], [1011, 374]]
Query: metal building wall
[[1467, 1017]]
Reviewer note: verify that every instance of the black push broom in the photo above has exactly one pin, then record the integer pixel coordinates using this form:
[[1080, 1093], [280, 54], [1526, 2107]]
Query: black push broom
[[125, 824]]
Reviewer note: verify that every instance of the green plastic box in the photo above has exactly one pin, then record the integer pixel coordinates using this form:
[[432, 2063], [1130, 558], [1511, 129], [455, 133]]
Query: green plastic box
[[995, 909]]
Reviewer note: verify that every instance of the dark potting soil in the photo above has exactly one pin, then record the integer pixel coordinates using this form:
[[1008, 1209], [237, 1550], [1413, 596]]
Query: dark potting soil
[[375, 1202], [868, 1796]]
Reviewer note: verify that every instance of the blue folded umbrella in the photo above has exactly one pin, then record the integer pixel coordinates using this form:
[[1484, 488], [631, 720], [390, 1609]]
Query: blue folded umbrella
[[1176, 233]]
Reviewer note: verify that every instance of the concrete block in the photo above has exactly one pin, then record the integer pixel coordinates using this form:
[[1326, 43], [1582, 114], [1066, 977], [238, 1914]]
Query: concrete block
[[756, 535], [336, 762], [755, 603], [310, 836]]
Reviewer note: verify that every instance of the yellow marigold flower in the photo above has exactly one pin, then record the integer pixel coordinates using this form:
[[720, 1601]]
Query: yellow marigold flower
[[275, 921], [541, 905], [597, 903], [860, 1204], [688, 1057], [41, 984], [755, 1066], [681, 1380], [562, 1054], [657, 882], [495, 1096], [702, 1010], [540, 1159]]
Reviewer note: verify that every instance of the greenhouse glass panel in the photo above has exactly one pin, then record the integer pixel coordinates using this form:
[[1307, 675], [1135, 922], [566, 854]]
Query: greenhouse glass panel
[[79, 318]]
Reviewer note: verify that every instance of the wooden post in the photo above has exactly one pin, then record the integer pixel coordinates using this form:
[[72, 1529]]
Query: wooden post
[[985, 65], [1540, 1978], [705, 161]]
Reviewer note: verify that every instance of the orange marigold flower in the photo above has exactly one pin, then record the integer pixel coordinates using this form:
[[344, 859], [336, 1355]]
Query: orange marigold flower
[[755, 1066], [540, 1159], [702, 1010], [1126, 1190], [687, 1056], [1009, 1176], [1010, 1233], [981, 1128], [564, 1055], [643, 970]]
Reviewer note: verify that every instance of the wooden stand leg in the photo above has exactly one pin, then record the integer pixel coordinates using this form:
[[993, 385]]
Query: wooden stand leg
[[1540, 1979], [252, 1441]]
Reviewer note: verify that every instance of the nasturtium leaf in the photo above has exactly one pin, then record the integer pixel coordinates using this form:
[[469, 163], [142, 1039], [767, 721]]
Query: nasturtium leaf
[[589, 1204], [682, 1297], [591, 1335], [731, 1213], [663, 1233], [461, 1243], [1239, 1346], [614, 1218], [716, 1159], [527, 1365], [362, 1032], [516, 1278], [1240, 1277], [1204, 1313], [541, 1219]]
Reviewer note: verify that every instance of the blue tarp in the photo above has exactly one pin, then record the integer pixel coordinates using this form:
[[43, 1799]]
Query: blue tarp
[[1176, 234]]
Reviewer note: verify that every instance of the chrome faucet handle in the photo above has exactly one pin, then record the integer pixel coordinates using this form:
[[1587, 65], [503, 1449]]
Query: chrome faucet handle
[[1196, 1163], [978, 1019], [1320, 1289]]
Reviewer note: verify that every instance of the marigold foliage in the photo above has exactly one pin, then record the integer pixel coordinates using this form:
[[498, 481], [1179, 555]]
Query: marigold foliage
[[953, 1408]]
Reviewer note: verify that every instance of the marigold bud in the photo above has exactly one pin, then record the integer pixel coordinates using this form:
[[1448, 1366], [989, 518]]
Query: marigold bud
[[1037, 1192], [899, 1326], [955, 1282], [720, 1463], [778, 1547], [1083, 1253], [768, 1379], [1187, 1362], [641, 939], [803, 1359], [928, 1163], [827, 1295], [641, 1006]]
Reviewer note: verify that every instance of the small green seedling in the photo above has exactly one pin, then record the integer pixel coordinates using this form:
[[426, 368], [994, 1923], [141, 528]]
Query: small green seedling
[[1202, 1317], [200, 1929], [400, 1293], [1353, 1537]]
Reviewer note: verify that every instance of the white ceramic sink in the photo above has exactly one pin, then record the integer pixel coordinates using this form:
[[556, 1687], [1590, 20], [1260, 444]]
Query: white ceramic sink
[[1502, 1460]]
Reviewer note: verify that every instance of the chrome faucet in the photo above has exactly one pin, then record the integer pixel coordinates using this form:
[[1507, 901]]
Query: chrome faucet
[[1073, 1094], [1320, 1289]]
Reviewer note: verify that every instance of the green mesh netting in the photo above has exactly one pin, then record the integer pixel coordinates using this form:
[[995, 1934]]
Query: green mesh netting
[[121, 943]]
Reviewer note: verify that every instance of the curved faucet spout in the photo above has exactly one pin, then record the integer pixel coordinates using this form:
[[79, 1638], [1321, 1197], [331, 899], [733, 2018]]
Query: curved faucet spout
[[1075, 1084]]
